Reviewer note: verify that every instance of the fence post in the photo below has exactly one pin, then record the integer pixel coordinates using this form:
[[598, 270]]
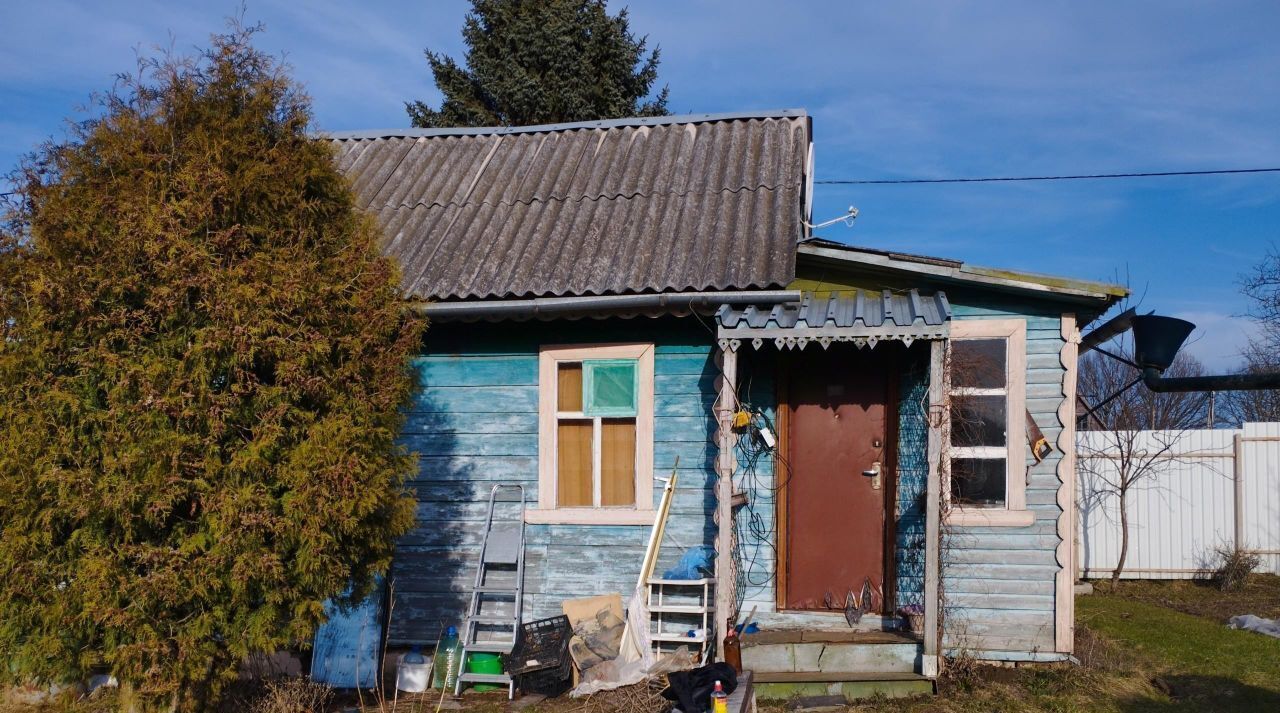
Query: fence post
[[1237, 443]]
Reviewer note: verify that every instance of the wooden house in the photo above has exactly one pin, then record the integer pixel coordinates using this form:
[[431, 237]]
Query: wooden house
[[888, 406]]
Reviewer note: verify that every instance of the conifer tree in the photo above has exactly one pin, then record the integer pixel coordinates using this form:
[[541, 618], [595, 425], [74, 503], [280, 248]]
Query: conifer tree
[[202, 372], [543, 62]]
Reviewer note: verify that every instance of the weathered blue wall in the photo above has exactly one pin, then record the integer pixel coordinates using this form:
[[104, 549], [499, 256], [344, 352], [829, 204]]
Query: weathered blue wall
[[756, 523], [474, 422], [999, 582]]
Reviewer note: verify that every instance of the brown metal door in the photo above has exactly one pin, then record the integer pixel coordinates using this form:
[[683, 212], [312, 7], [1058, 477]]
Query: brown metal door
[[835, 514]]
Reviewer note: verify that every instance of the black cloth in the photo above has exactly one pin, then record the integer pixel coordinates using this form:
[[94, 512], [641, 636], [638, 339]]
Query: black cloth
[[691, 690]]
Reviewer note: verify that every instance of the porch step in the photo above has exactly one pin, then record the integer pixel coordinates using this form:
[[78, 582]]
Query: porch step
[[831, 657], [852, 685], [796, 636]]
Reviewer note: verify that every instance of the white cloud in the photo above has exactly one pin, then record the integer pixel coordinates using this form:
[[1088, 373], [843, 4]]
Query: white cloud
[[1218, 338]]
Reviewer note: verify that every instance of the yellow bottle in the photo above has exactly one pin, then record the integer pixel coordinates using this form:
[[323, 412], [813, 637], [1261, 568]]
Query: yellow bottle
[[719, 701]]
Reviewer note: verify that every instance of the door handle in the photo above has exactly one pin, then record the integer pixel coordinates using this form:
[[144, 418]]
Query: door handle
[[874, 475]]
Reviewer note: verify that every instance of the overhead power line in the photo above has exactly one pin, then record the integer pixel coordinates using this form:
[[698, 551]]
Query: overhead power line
[[1012, 179]]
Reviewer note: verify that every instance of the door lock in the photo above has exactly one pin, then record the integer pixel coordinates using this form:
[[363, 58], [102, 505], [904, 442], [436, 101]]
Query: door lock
[[874, 475]]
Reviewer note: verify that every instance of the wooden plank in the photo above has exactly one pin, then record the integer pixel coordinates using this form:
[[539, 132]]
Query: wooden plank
[[725, 594], [475, 399], [689, 429], [692, 404], [472, 444], [684, 363], [478, 371], [1004, 602], [683, 384], [933, 517], [955, 571], [1064, 618], [834, 676], [439, 422], [522, 469]]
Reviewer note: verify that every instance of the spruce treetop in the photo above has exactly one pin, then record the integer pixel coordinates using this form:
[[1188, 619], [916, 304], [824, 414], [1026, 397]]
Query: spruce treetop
[[543, 62]]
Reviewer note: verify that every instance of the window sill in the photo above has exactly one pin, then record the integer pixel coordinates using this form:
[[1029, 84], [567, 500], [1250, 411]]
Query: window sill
[[990, 518], [589, 516]]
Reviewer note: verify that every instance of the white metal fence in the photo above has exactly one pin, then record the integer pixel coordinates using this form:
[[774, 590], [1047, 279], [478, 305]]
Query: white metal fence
[[1211, 488]]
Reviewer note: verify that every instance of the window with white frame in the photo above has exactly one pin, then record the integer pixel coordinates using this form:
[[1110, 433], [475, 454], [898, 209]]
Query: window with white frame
[[595, 440], [986, 458]]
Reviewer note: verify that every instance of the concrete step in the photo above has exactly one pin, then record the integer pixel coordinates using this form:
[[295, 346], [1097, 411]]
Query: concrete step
[[822, 657], [852, 685]]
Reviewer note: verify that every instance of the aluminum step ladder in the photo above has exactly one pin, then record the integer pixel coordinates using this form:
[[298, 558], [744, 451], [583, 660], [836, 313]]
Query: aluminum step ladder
[[499, 578]]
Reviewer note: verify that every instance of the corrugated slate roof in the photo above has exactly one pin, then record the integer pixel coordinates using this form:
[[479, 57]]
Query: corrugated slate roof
[[598, 208]]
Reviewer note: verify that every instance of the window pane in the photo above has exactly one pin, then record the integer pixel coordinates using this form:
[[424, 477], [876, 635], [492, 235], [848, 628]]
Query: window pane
[[569, 387], [618, 461], [573, 463], [978, 421], [610, 387], [978, 481], [978, 363]]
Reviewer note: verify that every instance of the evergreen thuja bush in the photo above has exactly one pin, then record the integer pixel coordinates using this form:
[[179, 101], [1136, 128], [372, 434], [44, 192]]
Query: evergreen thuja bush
[[203, 364]]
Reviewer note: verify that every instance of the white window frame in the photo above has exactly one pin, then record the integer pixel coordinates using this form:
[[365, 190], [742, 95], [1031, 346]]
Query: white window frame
[[546, 512], [1014, 513]]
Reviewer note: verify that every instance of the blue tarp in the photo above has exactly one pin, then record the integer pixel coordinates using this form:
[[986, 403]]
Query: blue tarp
[[346, 646]]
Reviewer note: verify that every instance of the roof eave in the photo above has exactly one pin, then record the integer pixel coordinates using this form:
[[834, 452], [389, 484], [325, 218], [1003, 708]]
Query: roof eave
[[1098, 294]]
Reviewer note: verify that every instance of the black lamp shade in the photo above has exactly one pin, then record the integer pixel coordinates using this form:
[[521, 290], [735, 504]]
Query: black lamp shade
[[1156, 340]]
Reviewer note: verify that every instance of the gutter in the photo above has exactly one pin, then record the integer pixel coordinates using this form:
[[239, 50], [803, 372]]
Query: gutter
[[550, 306]]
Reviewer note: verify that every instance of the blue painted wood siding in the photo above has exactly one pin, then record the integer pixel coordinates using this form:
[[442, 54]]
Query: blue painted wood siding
[[474, 422], [999, 582]]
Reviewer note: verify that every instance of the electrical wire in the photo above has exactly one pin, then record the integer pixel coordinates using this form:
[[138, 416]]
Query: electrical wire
[[1012, 179]]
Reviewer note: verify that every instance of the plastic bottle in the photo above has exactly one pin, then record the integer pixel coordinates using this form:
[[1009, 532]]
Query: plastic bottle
[[448, 660], [719, 701]]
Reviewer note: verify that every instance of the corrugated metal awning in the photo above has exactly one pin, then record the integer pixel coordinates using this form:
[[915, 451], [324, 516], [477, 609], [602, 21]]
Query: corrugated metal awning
[[862, 318]]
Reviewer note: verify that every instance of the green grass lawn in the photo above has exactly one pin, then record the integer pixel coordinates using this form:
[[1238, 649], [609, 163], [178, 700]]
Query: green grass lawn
[[1197, 663]]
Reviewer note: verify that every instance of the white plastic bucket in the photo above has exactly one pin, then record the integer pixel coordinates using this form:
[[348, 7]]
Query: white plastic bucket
[[413, 677]]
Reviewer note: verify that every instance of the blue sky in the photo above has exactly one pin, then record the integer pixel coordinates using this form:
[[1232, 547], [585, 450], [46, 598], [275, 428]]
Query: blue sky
[[902, 89]]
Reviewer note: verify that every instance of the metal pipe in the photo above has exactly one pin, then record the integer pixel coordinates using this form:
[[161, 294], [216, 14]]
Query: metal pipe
[[1113, 327], [560, 305], [1222, 382]]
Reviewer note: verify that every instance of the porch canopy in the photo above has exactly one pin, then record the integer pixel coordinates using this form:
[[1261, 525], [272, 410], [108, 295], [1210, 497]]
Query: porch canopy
[[863, 318]]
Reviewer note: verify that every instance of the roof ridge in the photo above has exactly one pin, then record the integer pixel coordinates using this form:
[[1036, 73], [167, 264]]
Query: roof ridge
[[584, 198], [637, 121]]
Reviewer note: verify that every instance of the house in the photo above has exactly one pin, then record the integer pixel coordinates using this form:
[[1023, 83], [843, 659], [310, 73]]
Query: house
[[887, 398]]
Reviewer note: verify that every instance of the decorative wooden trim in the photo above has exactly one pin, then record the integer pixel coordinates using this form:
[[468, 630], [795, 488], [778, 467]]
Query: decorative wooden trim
[[1064, 591], [548, 357], [933, 508], [1014, 332], [726, 577]]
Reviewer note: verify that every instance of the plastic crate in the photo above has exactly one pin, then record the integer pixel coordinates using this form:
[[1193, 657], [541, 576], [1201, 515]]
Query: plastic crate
[[539, 662], [540, 645], [549, 682]]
